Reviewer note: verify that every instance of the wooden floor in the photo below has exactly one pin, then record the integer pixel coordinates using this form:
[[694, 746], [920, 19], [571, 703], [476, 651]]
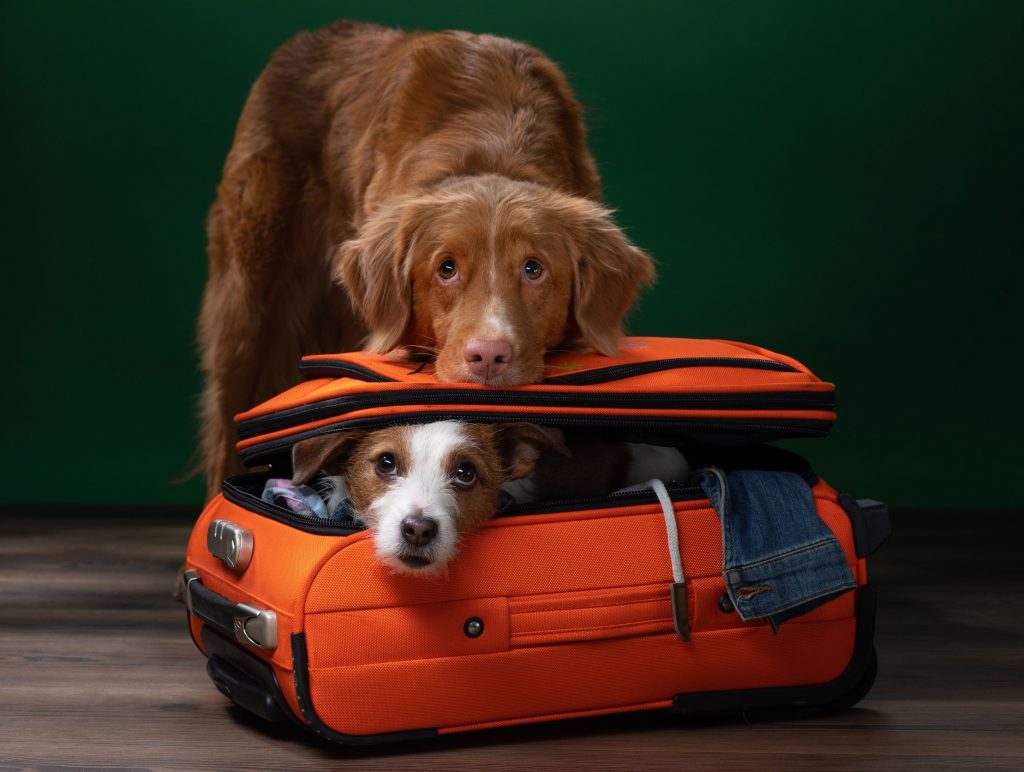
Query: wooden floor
[[97, 670]]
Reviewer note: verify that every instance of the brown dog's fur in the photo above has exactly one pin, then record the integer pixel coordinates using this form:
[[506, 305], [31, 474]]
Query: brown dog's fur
[[363, 159]]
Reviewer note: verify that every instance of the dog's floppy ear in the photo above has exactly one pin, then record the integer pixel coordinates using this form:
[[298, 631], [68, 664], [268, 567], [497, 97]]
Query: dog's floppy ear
[[374, 268], [521, 445], [323, 452], [609, 271]]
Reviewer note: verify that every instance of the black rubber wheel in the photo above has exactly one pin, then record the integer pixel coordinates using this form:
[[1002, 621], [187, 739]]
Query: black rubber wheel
[[863, 686]]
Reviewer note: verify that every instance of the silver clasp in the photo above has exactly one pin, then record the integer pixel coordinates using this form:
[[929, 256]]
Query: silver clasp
[[255, 626], [230, 543]]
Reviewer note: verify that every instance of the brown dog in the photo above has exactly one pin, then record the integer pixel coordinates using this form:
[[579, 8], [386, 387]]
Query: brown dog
[[431, 190]]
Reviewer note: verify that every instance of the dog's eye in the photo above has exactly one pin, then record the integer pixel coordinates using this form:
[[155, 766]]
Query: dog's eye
[[532, 269], [447, 270], [386, 465], [465, 475]]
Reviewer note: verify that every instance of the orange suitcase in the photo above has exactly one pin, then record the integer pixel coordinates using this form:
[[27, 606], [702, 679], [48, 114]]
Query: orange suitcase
[[688, 391], [551, 610]]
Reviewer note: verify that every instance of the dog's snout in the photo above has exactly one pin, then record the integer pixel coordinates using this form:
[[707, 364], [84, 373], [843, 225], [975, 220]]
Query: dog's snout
[[419, 531], [487, 358]]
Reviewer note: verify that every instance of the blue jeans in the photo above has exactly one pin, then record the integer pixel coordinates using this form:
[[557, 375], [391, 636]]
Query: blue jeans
[[779, 559]]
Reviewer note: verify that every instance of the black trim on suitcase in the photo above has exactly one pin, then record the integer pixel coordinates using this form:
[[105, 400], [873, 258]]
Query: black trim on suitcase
[[244, 679], [191, 633], [332, 368], [870, 522], [210, 607], [233, 492], [242, 690], [718, 432], [300, 670], [843, 692], [238, 495], [328, 408], [618, 372]]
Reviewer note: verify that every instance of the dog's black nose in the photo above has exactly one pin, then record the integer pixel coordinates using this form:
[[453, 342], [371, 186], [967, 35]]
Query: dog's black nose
[[419, 531]]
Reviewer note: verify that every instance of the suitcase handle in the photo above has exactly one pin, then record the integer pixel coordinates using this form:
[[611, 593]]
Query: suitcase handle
[[244, 622], [870, 521]]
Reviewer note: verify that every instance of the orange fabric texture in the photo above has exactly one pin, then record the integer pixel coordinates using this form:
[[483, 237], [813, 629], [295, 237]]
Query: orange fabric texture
[[570, 679], [573, 608], [575, 612], [647, 366]]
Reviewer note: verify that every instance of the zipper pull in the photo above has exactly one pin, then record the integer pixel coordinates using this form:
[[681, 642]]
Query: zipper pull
[[680, 610], [676, 590]]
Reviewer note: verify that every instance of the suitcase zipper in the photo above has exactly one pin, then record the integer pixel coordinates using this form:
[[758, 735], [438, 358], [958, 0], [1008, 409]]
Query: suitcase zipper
[[761, 431], [677, 492], [284, 419], [618, 372], [635, 497], [333, 367], [248, 501], [252, 503]]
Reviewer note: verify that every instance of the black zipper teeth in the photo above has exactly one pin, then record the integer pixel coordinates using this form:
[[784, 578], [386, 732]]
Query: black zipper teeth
[[609, 501], [597, 375], [252, 503], [332, 407], [333, 366], [807, 428], [616, 372]]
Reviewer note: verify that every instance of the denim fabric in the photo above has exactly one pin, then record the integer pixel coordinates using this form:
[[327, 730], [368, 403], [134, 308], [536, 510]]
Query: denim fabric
[[779, 559]]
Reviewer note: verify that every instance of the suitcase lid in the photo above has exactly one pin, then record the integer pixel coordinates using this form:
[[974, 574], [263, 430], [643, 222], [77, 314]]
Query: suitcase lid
[[680, 390]]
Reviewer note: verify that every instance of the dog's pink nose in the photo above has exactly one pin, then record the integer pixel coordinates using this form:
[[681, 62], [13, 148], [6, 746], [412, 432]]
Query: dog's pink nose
[[487, 358], [419, 531]]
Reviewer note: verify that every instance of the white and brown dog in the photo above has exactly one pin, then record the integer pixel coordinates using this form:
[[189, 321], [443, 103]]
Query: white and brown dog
[[421, 488]]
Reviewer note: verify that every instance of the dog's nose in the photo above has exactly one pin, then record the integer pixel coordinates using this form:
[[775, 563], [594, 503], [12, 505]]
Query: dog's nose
[[419, 531], [487, 358]]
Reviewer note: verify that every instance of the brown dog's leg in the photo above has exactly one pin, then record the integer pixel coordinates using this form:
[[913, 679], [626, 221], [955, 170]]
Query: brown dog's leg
[[272, 234], [253, 331], [270, 296]]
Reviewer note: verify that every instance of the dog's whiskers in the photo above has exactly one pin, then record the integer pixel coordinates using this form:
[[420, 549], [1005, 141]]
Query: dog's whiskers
[[423, 351]]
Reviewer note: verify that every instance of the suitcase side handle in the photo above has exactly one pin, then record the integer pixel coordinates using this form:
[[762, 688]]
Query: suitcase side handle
[[244, 622], [870, 521]]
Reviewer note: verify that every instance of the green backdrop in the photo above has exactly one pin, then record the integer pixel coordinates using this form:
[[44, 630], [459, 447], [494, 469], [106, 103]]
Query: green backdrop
[[839, 181]]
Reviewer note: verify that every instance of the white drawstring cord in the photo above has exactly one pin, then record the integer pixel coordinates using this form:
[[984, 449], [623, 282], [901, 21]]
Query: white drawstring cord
[[670, 528], [680, 610]]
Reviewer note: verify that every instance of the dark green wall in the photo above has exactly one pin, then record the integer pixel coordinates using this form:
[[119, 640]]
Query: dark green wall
[[839, 181]]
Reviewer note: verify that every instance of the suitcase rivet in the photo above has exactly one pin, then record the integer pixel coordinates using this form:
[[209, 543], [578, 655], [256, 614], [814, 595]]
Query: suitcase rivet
[[474, 627], [725, 604]]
